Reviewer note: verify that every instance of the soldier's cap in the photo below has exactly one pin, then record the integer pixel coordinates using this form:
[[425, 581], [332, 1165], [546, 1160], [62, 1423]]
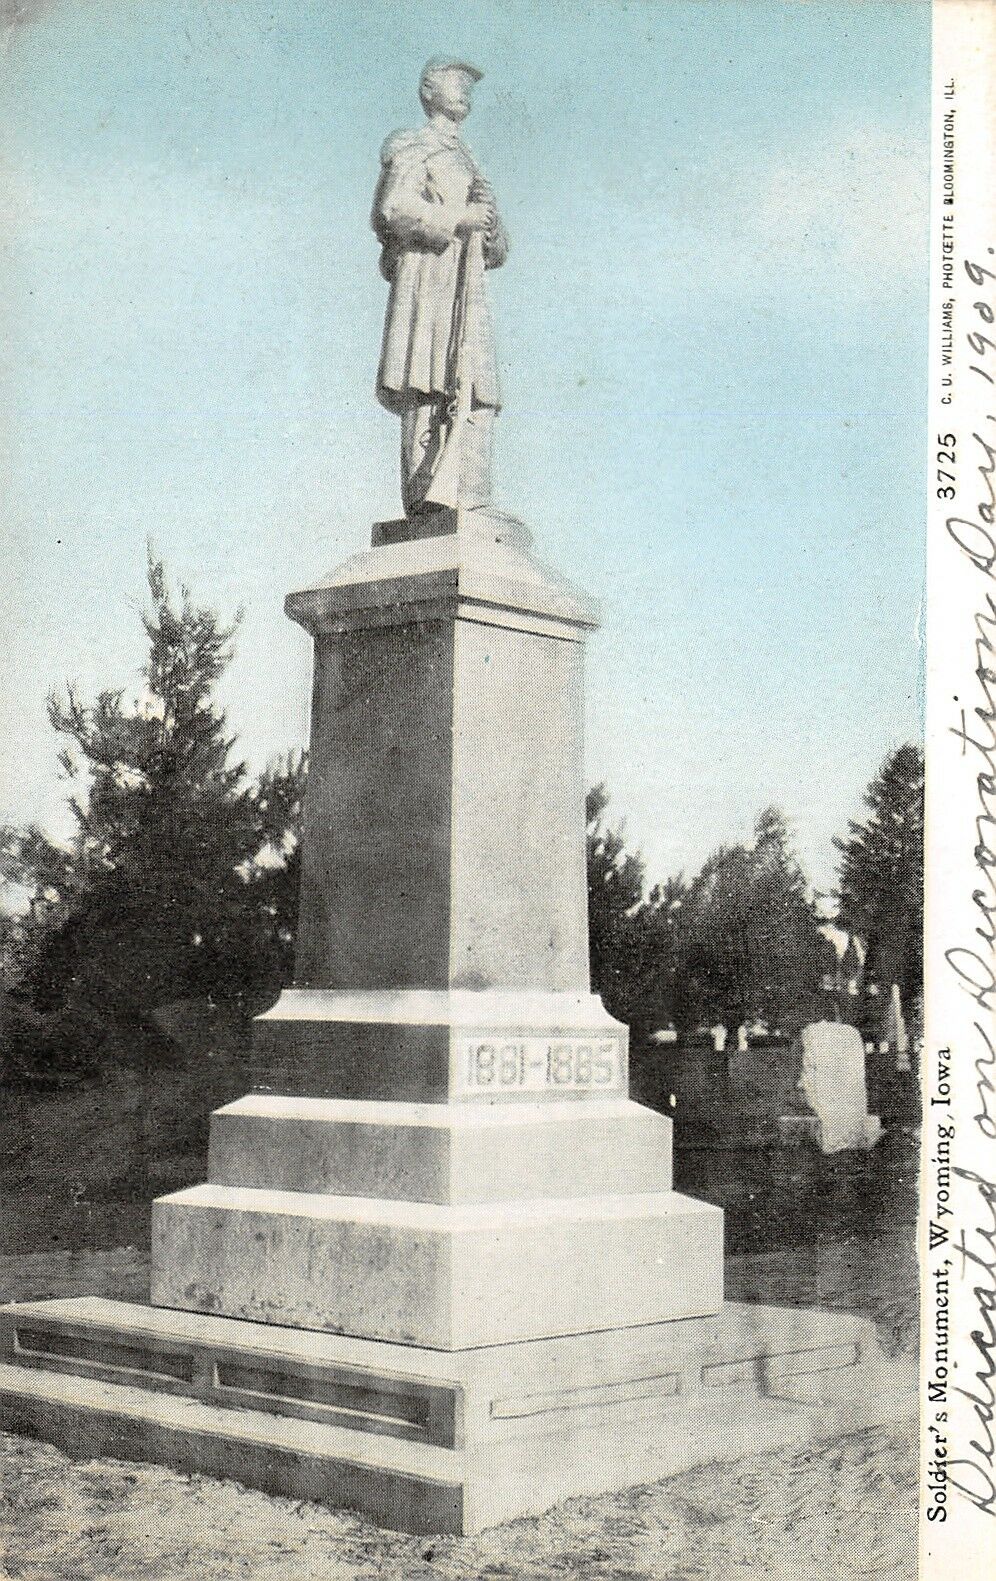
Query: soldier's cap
[[449, 63]]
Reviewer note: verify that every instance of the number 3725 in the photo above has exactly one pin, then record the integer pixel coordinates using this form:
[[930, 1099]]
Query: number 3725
[[945, 457]]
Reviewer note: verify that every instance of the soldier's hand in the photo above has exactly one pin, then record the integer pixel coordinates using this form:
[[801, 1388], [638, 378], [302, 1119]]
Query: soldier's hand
[[481, 193], [477, 217]]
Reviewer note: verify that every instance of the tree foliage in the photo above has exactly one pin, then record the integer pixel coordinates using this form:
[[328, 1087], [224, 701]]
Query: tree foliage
[[740, 942], [615, 906], [753, 949], [880, 892], [634, 938], [178, 878]]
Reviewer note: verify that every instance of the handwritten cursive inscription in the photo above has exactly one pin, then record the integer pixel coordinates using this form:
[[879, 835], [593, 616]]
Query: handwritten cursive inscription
[[972, 1471], [973, 1475]]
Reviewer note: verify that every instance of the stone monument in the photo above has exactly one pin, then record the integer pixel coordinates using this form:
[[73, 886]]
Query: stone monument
[[438, 1272]]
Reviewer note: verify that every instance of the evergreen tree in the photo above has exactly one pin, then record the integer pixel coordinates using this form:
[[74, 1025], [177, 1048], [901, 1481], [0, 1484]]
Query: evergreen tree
[[665, 931], [752, 943], [880, 893], [635, 940], [177, 879], [615, 907]]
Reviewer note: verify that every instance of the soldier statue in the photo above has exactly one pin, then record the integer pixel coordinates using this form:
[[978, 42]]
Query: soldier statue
[[435, 216]]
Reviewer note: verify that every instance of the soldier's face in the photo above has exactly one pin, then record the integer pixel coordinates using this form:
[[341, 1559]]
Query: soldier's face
[[451, 94]]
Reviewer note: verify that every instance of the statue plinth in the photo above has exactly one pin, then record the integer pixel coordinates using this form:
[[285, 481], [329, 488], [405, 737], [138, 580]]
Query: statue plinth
[[483, 524]]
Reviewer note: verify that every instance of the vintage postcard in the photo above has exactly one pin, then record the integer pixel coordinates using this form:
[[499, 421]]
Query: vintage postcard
[[496, 900]]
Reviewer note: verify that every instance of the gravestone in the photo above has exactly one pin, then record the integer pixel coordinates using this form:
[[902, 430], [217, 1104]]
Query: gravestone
[[438, 1272], [829, 1057]]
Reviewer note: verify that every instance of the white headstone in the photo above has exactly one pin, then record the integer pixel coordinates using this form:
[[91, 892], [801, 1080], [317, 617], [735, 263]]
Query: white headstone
[[832, 1080]]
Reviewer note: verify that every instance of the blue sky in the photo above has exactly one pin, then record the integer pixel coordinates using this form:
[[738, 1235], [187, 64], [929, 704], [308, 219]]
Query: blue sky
[[712, 329]]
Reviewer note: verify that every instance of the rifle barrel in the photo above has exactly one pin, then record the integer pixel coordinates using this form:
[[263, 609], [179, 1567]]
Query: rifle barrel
[[444, 487]]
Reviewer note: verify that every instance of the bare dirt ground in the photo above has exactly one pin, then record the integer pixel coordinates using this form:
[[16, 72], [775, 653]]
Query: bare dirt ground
[[843, 1509], [839, 1510]]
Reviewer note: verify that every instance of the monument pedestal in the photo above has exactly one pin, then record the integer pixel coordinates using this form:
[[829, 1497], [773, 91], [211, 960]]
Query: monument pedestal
[[438, 1272], [461, 1166]]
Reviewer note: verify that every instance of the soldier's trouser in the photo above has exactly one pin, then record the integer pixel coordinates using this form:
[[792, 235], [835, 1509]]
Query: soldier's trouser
[[423, 432]]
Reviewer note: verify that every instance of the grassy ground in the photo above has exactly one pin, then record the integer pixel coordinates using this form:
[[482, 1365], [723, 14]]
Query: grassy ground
[[844, 1508], [79, 1168]]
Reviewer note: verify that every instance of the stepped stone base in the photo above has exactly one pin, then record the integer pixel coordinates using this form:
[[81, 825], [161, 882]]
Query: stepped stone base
[[450, 1225], [429, 1441], [423, 1274], [440, 1153]]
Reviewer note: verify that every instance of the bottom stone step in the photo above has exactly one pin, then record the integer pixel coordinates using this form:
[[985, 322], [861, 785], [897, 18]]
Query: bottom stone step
[[379, 1477], [426, 1441]]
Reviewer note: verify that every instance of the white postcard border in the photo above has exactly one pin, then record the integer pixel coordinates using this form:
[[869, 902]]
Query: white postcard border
[[957, 1527]]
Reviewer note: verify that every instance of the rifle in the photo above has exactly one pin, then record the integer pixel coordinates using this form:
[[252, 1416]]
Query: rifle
[[444, 487]]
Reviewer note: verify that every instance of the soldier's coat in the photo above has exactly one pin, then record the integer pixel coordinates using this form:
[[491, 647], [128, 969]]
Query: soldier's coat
[[426, 180]]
